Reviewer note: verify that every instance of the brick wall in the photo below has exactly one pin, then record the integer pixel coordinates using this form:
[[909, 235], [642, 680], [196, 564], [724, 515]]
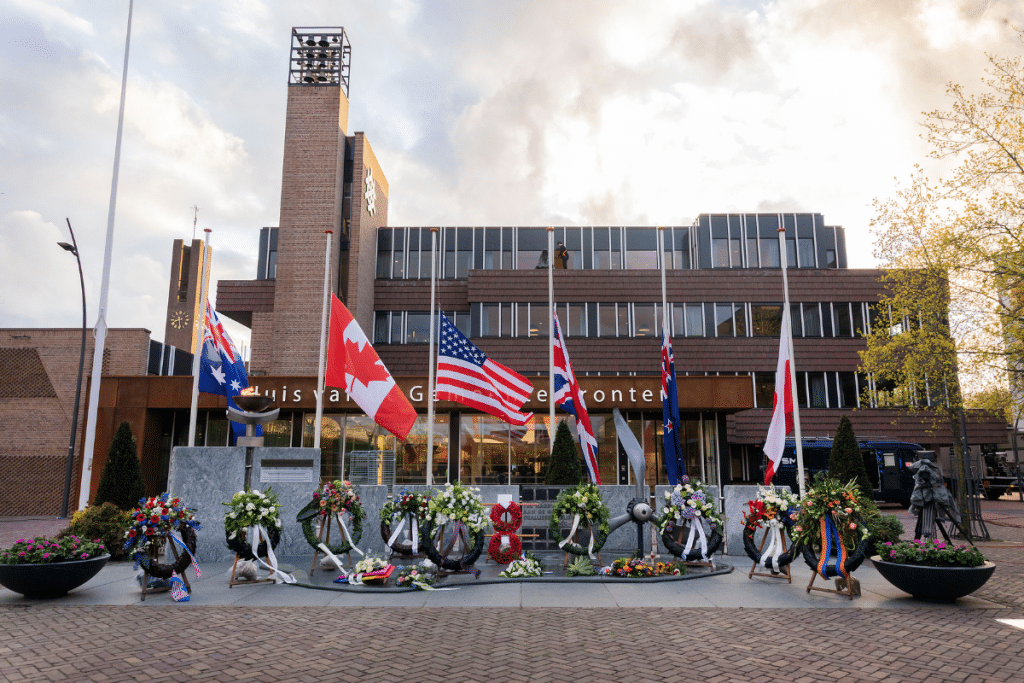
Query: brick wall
[[36, 429], [363, 246]]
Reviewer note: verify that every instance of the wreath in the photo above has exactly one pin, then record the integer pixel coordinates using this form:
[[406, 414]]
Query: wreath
[[585, 501], [464, 507], [771, 509], [686, 505], [498, 512], [337, 497], [151, 525], [832, 506], [247, 509], [507, 555], [396, 511]]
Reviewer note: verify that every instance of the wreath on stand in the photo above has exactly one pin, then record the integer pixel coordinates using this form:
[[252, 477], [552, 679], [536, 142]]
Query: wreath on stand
[[686, 506], [335, 498], [151, 526], [463, 507], [505, 530], [585, 505], [832, 515], [397, 513], [249, 509], [773, 509]]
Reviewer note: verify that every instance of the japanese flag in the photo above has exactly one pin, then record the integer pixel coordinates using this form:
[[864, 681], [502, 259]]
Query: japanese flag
[[353, 365]]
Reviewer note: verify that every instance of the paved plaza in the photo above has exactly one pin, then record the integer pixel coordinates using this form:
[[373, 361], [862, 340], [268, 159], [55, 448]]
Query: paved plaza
[[717, 628]]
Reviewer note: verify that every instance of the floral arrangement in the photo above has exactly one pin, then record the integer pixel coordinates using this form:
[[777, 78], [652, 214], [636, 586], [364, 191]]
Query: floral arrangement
[[154, 519], [638, 568], [525, 567], [43, 550], [688, 500], [841, 502], [251, 508], [458, 503], [772, 505], [507, 554], [338, 496], [370, 564], [420, 576], [583, 500], [406, 503], [674, 568], [932, 554], [581, 566], [515, 517]]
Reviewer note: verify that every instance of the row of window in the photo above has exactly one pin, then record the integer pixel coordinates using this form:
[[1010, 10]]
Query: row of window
[[717, 241], [706, 319]]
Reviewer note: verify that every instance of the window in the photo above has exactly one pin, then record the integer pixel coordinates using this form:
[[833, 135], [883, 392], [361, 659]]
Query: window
[[417, 327], [606, 320], [766, 320], [490, 320], [816, 385], [842, 324], [847, 389], [806, 252], [380, 327], [720, 252], [764, 389], [770, 257], [575, 322], [724, 325], [858, 318], [812, 320], [695, 320], [540, 320], [396, 327], [644, 321], [622, 320]]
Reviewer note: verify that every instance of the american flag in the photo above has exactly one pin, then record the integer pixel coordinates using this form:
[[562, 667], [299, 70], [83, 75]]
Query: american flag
[[466, 375], [569, 397], [674, 463]]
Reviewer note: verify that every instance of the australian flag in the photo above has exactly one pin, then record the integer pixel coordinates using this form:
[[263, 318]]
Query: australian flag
[[569, 397], [674, 463], [221, 370]]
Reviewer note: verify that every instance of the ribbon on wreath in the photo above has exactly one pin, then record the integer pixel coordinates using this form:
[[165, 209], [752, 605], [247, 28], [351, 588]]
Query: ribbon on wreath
[[348, 536], [696, 535], [260, 532], [178, 591], [770, 556], [192, 558], [333, 558], [833, 554], [572, 534], [460, 533], [414, 535]]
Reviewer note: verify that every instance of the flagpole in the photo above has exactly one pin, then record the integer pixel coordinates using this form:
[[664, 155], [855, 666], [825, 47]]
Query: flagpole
[[200, 327], [323, 337], [100, 331], [792, 365], [431, 362], [661, 258], [551, 340]]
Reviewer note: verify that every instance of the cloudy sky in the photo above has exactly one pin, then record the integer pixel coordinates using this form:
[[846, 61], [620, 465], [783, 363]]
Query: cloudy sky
[[481, 113]]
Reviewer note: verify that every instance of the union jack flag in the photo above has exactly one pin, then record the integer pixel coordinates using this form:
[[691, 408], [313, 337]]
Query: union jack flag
[[569, 397]]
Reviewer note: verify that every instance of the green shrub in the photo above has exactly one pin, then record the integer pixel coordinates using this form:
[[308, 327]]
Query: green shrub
[[121, 481], [105, 522], [564, 466], [883, 529], [845, 462]]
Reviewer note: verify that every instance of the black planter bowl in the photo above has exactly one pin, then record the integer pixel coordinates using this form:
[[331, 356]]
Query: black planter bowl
[[49, 580], [937, 584]]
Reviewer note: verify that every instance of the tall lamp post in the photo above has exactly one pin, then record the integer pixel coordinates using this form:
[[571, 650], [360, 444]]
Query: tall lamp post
[[73, 248]]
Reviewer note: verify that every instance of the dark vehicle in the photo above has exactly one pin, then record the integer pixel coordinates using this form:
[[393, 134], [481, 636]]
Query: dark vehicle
[[887, 462]]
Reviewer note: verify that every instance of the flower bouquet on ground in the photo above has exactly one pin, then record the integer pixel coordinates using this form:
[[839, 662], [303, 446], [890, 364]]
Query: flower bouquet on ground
[[368, 569], [639, 568], [774, 510], [421, 576], [153, 523], [457, 512], [403, 516], [527, 566], [830, 527], [333, 502], [588, 510], [690, 505]]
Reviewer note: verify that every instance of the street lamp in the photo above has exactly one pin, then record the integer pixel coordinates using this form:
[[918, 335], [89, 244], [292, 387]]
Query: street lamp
[[73, 248]]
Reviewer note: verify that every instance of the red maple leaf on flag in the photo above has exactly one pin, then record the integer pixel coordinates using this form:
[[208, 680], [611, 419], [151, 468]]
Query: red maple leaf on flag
[[364, 364]]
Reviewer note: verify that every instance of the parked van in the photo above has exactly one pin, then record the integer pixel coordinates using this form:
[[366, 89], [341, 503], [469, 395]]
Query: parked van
[[887, 463]]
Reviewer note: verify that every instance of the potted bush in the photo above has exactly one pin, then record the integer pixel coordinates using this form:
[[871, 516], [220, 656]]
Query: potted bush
[[933, 570], [48, 568]]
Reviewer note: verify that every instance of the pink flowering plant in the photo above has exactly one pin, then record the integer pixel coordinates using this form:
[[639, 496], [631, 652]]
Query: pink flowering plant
[[932, 554], [43, 550]]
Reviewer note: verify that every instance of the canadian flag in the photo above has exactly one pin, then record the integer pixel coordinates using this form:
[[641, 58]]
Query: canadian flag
[[782, 408], [354, 365]]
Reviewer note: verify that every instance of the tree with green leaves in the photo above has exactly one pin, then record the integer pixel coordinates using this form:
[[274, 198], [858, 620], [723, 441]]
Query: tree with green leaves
[[121, 480], [845, 462], [950, 320], [565, 466]]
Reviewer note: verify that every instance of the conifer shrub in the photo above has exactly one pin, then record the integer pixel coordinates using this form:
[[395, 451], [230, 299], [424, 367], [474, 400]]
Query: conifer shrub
[[846, 463], [121, 480], [564, 467]]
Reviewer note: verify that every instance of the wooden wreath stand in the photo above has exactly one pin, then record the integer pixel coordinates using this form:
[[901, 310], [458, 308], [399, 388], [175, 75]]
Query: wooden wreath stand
[[710, 562], [154, 555], [565, 562], [233, 579], [785, 574], [324, 536], [843, 587]]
